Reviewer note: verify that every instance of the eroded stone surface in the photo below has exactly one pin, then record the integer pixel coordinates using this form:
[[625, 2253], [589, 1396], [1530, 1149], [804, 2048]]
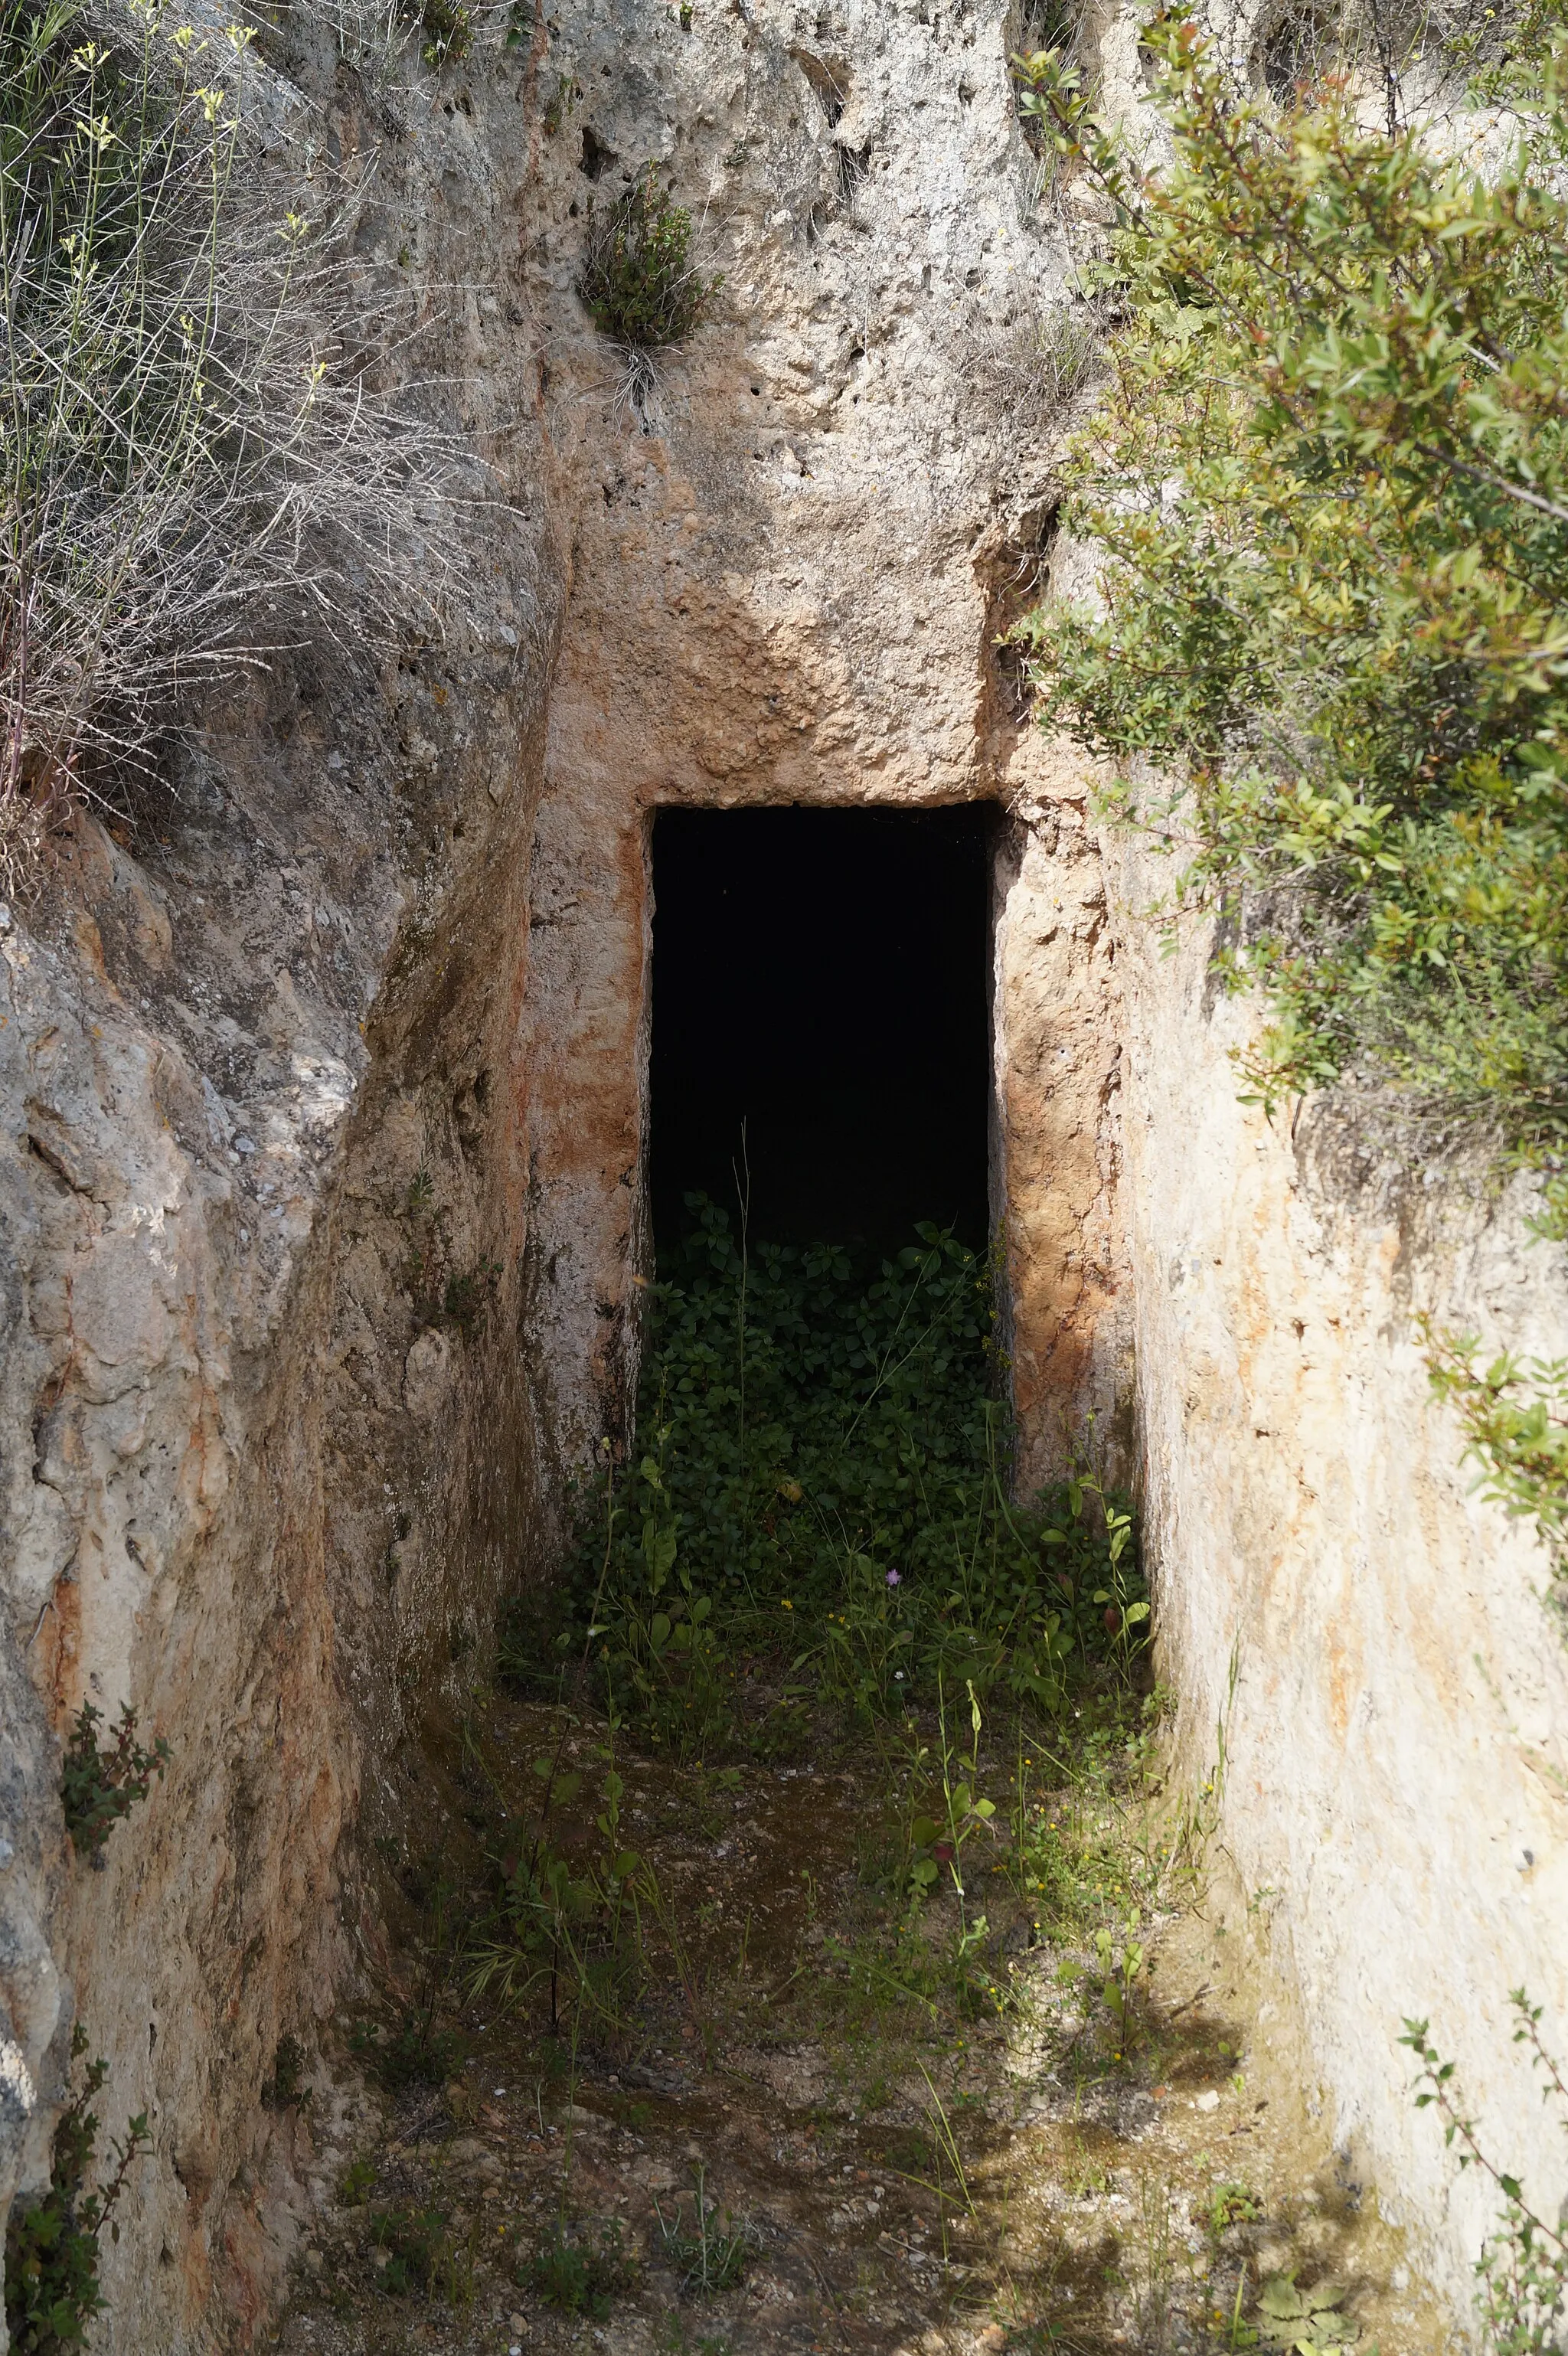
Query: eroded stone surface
[[1336, 1607], [789, 592], [321, 1157], [322, 1084]]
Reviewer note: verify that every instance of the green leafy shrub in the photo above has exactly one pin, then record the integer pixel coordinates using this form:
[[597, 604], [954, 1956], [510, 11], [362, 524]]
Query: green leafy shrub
[[827, 1474], [52, 2246], [638, 283], [99, 1787], [1329, 478]]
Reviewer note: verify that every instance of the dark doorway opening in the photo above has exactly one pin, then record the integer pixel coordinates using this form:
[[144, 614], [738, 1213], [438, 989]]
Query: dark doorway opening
[[823, 977]]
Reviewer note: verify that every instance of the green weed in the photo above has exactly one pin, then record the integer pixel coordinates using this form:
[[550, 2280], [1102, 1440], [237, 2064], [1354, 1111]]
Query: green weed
[[52, 2244], [708, 2251], [1306, 2322], [1115, 1971], [577, 2276], [946, 2175], [421, 2257], [286, 2089], [573, 1923], [564, 96], [1514, 1413], [675, 2341], [101, 1787], [1231, 2203], [1071, 1860], [638, 282], [445, 29], [1087, 2179], [417, 2052], [443, 1293], [1153, 2247], [1521, 2275]]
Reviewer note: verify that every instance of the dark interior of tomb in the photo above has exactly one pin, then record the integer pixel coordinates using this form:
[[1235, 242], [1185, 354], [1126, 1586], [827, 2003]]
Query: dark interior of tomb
[[822, 976]]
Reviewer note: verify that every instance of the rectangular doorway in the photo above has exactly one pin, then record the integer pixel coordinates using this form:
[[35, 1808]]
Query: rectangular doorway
[[821, 1022]]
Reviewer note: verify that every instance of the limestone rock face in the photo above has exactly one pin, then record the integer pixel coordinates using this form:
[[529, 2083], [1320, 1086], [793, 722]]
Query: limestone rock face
[[323, 1083], [1359, 1637], [323, 1077], [788, 585], [265, 1444]]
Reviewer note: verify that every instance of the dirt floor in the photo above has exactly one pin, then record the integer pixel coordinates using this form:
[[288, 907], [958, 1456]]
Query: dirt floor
[[758, 2081]]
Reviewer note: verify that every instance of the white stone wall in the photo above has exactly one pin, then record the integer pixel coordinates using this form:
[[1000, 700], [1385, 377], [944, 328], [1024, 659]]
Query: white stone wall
[[1396, 1796]]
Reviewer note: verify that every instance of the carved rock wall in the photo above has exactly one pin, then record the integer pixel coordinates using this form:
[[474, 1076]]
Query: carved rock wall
[[322, 1078], [321, 1164], [1340, 1616]]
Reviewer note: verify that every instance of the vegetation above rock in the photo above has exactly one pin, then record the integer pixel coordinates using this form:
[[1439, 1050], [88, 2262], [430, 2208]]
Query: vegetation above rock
[[193, 470], [1328, 475]]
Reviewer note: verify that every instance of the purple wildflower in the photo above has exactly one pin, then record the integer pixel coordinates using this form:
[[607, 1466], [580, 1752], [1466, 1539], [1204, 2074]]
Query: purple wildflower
[[892, 1579]]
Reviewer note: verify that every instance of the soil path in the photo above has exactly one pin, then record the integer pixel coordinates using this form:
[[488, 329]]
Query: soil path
[[902, 2134]]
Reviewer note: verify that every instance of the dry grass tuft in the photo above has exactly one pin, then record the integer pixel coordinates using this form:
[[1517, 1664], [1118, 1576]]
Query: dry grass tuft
[[197, 468]]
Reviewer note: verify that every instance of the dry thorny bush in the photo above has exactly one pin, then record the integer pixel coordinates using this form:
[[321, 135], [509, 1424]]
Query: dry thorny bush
[[199, 466]]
